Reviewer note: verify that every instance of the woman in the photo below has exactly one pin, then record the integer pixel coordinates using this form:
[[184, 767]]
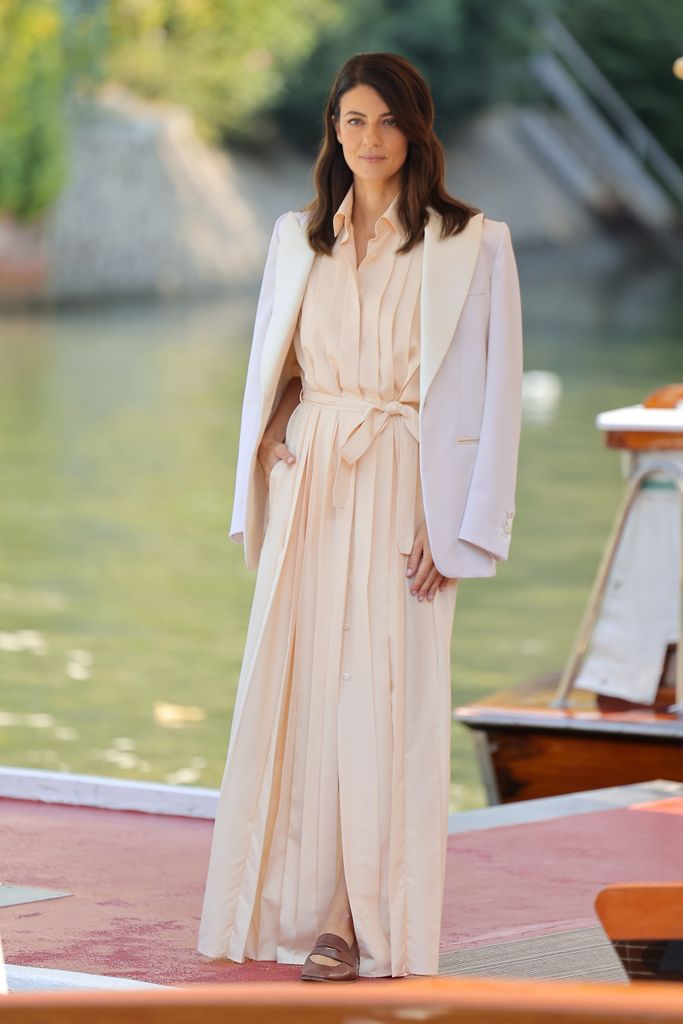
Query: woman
[[376, 468]]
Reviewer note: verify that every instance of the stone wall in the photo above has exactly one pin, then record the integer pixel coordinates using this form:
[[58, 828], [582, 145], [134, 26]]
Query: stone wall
[[151, 211]]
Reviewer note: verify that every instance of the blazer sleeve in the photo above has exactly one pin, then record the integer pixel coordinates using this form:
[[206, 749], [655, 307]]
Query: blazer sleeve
[[490, 505], [252, 387]]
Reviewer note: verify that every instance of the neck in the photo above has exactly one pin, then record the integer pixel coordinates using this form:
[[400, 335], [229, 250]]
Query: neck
[[371, 198]]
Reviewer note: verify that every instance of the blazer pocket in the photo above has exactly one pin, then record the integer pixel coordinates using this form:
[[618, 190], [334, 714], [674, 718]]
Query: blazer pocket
[[466, 440]]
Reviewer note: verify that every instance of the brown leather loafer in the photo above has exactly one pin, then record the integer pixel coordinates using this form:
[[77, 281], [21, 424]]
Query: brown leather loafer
[[329, 944]]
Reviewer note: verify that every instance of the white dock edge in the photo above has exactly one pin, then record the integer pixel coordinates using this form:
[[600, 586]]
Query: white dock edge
[[35, 979], [546, 808], [110, 793], [198, 802]]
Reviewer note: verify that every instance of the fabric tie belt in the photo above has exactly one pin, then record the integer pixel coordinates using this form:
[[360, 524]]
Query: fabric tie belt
[[372, 419]]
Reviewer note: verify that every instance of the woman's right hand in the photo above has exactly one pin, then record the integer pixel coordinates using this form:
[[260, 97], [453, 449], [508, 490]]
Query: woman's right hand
[[271, 452]]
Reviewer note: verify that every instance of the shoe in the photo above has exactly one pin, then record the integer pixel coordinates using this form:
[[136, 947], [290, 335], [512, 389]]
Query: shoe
[[329, 944]]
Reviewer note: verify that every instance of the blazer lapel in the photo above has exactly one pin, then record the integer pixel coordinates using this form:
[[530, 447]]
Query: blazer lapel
[[447, 269]]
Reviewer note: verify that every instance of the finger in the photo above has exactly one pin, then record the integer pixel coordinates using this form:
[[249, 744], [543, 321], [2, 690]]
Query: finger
[[429, 580], [423, 572], [435, 587], [426, 567], [414, 557], [283, 452]]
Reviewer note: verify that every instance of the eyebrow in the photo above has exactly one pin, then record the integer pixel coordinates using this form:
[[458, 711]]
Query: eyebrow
[[383, 114]]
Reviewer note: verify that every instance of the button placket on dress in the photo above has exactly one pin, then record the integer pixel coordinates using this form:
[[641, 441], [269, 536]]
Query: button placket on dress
[[354, 322], [353, 329]]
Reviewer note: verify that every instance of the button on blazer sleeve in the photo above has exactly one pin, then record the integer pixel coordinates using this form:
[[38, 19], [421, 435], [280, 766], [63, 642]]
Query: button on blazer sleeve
[[490, 505], [252, 387]]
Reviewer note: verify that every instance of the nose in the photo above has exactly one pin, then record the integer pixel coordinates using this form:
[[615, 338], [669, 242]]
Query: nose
[[371, 136]]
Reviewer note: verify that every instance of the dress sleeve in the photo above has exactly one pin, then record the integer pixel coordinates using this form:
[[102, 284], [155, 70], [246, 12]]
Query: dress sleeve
[[490, 507]]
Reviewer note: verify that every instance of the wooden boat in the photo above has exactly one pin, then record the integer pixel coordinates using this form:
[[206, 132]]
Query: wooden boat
[[614, 715]]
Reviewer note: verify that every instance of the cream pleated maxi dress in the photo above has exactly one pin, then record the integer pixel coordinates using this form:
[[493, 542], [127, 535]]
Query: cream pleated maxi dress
[[342, 722]]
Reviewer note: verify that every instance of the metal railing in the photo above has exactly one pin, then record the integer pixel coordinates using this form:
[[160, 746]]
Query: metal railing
[[640, 140]]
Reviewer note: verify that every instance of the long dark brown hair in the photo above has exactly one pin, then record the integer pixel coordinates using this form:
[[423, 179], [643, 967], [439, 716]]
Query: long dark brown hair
[[409, 99]]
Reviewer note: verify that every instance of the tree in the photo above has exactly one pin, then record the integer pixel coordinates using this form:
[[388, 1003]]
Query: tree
[[470, 53], [46, 51], [635, 45], [225, 60]]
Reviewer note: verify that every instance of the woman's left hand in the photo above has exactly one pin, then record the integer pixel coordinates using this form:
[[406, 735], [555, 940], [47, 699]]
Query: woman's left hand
[[425, 578]]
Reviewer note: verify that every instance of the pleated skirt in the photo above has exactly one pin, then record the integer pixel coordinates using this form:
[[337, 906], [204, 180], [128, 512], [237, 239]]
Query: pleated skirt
[[340, 738]]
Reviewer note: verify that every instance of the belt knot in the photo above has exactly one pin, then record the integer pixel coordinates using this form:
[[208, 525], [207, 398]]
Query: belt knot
[[372, 419]]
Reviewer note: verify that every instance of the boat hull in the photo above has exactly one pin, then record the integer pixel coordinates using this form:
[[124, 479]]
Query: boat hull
[[527, 750]]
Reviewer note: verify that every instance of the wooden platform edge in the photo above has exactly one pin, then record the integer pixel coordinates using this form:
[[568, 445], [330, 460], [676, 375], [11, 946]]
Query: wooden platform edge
[[482, 1001]]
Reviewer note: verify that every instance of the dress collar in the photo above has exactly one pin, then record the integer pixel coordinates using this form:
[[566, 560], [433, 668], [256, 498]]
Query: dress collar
[[342, 217]]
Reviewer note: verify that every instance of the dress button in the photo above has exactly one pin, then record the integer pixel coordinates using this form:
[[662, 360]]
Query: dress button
[[347, 675]]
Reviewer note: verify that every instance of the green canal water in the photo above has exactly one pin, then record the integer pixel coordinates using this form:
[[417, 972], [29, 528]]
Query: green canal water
[[123, 603]]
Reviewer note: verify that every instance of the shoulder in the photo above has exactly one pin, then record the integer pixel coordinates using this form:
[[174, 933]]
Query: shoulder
[[494, 232], [496, 241], [279, 222], [301, 216]]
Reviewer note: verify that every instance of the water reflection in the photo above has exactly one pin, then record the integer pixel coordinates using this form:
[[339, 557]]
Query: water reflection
[[123, 604]]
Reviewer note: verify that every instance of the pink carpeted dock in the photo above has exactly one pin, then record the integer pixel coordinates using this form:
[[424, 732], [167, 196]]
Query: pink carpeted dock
[[137, 880]]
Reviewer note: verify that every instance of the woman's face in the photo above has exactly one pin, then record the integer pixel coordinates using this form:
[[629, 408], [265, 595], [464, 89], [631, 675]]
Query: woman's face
[[373, 145]]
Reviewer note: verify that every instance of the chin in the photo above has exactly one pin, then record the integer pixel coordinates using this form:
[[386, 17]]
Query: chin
[[373, 171]]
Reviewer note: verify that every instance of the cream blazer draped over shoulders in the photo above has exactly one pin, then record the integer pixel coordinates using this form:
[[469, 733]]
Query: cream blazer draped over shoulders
[[470, 388]]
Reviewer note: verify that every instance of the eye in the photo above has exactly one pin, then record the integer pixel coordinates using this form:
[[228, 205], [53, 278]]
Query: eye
[[389, 121]]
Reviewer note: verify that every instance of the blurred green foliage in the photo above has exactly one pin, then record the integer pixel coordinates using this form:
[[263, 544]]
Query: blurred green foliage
[[635, 45], [471, 54], [226, 60], [249, 70], [47, 50], [32, 130]]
